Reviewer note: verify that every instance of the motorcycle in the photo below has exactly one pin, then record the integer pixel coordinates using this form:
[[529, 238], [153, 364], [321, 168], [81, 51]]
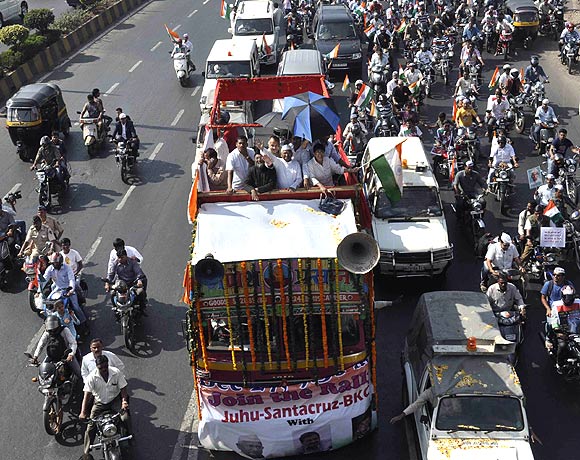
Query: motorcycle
[[125, 157], [572, 227], [126, 309], [443, 159], [570, 370], [354, 147], [51, 189], [488, 36], [473, 73], [428, 78], [443, 64], [181, 68], [541, 265], [502, 184], [547, 133], [386, 127], [469, 143], [505, 43], [537, 95], [111, 436], [567, 178], [570, 54], [517, 110], [9, 260], [378, 79], [473, 218], [94, 134], [57, 383], [410, 50]]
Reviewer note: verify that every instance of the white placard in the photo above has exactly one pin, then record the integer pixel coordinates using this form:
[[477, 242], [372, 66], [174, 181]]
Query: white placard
[[553, 237]]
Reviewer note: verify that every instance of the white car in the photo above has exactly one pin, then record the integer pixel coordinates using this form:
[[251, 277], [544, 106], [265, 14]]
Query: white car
[[12, 9]]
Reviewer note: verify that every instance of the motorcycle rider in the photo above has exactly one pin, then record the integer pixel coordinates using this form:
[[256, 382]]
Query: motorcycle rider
[[58, 143], [118, 244], [392, 84], [543, 118], [467, 185], [126, 130], [89, 364], [546, 192], [545, 9], [504, 26], [462, 12], [40, 239], [465, 115], [563, 202], [532, 228], [506, 302], [353, 97], [503, 79], [97, 98], [412, 32], [552, 289], [522, 217], [354, 125], [447, 17], [443, 139], [129, 271], [502, 152], [514, 86], [569, 34], [107, 386], [49, 155], [385, 111], [424, 57], [383, 38], [412, 73], [471, 31], [91, 109], [497, 107], [401, 95], [355, 136], [564, 316], [470, 55], [379, 63], [502, 255], [534, 73], [562, 145], [57, 339]]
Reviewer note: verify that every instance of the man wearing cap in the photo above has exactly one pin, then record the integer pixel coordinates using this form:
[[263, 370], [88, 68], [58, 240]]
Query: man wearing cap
[[500, 256], [506, 301], [545, 116], [546, 192], [533, 230], [467, 184], [288, 170], [502, 152], [552, 290], [125, 128], [250, 446]]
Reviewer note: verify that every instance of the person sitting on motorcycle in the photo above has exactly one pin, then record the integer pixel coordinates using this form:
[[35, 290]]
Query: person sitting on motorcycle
[[465, 115], [471, 31], [97, 98], [58, 143], [552, 289], [545, 9], [502, 152], [497, 108], [385, 112], [514, 86], [532, 228], [58, 339], [401, 95], [506, 302], [468, 184], [563, 202], [437, 29], [412, 73], [40, 239], [489, 15], [354, 130], [49, 155], [424, 57], [409, 114], [544, 117], [410, 129], [376, 21], [383, 38], [119, 243], [523, 217], [545, 193], [126, 130], [564, 316], [462, 12], [392, 84], [447, 17], [534, 73], [562, 145], [470, 56], [503, 79], [66, 316], [557, 163], [379, 62], [464, 86], [354, 96], [569, 34], [376, 7], [412, 32], [504, 26], [91, 109], [500, 256], [443, 140], [129, 271]]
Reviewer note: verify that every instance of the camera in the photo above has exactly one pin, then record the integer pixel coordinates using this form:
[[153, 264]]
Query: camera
[[12, 197]]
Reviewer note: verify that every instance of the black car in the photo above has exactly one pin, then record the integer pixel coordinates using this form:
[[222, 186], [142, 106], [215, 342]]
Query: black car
[[334, 24]]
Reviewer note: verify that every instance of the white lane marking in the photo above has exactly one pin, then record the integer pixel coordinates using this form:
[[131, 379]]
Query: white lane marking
[[14, 189], [156, 150], [157, 46], [34, 341], [135, 66], [195, 91], [176, 27], [125, 198], [186, 428], [205, 2], [111, 89], [177, 117], [192, 13], [92, 250]]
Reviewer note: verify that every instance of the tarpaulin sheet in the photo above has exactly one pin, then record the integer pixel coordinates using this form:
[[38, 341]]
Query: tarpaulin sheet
[[234, 232], [268, 88]]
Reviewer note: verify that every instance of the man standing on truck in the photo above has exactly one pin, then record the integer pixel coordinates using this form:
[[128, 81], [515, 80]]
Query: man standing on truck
[[238, 163]]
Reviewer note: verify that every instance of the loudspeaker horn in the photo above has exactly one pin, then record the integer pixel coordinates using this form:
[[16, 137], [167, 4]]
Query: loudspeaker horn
[[209, 271], [358, 253]]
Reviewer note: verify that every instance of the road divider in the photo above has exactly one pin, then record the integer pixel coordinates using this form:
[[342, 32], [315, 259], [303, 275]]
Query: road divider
[[47, 59]]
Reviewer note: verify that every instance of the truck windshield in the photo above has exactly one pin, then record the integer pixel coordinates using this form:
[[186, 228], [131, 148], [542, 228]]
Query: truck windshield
[[229, 69], [254, 26], [336, 31], [479, 413], [414, 202]]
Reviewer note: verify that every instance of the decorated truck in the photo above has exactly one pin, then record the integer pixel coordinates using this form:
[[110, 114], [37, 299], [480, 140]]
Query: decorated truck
[[280, 326]]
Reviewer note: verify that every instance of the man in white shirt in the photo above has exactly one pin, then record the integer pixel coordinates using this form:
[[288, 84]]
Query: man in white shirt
[[500, 256], [523, 217], [238, 163], [544, 116], [71, 257], [546, 192], [132, 253], [89, 360], [221, 147], [107, 387], [497, 106], [502, 152], [320, 170], [288, 170], [392, 84]]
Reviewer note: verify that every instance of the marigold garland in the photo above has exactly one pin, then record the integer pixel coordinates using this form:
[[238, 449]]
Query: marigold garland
[[304, 316], [248, 313], [284, 321], [200, 327], [322, 312], [340, 344], [265, 309], [231, 329]]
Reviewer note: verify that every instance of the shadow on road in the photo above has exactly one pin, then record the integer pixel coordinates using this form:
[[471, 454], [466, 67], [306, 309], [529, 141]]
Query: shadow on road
[[86, 196]]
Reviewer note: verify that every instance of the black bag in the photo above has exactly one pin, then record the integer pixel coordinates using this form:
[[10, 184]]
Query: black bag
[[55, 346], [330, 204]]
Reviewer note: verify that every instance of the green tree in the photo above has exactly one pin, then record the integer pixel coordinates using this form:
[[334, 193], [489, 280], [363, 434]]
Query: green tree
[[13, 36], [39, 19]]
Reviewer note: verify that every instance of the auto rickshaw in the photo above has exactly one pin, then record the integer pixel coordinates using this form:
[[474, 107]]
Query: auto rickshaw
[[526, 20], [35, 111]]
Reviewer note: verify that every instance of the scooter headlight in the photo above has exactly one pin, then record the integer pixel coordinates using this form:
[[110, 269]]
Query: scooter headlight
[[109, 430]]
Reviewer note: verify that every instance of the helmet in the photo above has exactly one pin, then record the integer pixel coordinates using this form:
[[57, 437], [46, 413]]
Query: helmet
[[514, 73], [535, 60], [568, 295], [52, 324], [570, 25], [56, 258], [122, 116], [375, 15], [558, 158], [44, 140], [423, 46], [506, 67], [120, 286]]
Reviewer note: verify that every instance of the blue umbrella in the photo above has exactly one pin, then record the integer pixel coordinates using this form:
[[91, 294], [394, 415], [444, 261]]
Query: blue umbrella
[[311, 115]]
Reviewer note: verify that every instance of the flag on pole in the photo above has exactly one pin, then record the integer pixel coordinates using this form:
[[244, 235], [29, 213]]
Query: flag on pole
[[452, 170], [345, 84], [192, 202], [265, 46], [389, 169], [172, 34], [225, 10], [493, 80], [553, 213], [454, 113], [364, 97], [334, 53], [373, 110], [415, 87], [522, 79], [402, 75]]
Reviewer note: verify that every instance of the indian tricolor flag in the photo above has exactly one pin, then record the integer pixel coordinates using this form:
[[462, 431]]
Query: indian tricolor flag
[[370, 30], [454, 114], [225, 10], [389, 169], [345, 84], [334, 53], [493, 80], [401, 27], [365, 96], [553, 213]]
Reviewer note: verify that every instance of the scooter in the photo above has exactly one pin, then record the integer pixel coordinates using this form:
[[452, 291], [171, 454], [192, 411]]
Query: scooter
[[181, 67], [94, 134]]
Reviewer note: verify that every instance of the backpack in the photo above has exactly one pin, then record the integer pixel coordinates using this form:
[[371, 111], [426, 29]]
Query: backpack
[[484, 241], [56, 346]]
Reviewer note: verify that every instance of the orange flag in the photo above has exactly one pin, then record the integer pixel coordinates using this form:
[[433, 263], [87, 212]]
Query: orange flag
[[454, 114], [522, 79], [192, 204], [174, 35], [493, 80]]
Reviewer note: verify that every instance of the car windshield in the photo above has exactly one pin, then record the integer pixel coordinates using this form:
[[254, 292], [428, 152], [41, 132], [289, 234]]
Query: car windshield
[[254, 26], [336, 31], [479, 413], [22, 115], [230, 69], [414, 202]]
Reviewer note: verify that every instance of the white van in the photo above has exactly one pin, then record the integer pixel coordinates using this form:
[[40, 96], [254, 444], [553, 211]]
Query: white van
[[12, 9], [228, 58], [255, 20], [412, 233]]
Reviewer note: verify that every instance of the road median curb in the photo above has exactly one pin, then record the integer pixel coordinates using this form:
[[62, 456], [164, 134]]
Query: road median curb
[[50, 57]]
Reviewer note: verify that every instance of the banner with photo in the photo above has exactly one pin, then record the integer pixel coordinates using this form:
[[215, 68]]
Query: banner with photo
[[269, 422]]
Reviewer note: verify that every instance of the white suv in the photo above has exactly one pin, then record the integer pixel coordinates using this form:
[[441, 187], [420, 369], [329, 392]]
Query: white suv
[[12, 9]]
